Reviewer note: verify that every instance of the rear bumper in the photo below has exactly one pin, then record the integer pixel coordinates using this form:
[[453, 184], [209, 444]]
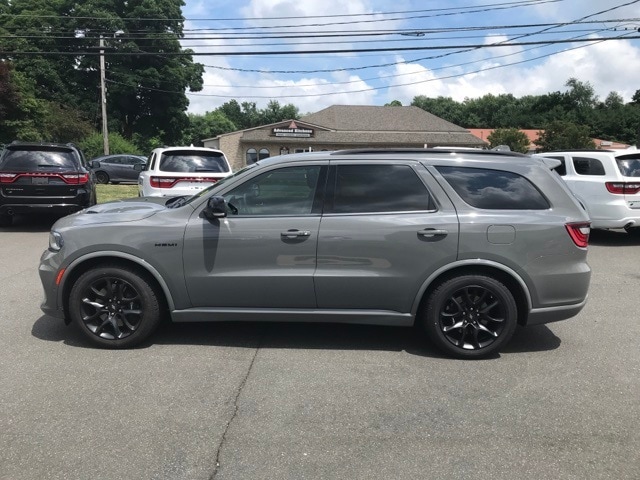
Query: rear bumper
[[539, 316], [27, 208]]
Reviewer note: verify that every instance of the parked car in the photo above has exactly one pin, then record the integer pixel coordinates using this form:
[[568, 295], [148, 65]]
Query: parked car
[[607, 182], [465, 244], [176, 171], [117, 168], [43, 177]]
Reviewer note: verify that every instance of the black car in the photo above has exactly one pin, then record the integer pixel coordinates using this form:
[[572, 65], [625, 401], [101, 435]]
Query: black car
[[117, 168], [43, 177]]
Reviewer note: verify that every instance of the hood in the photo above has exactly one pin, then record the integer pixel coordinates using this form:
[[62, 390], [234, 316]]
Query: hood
[[129, 210]]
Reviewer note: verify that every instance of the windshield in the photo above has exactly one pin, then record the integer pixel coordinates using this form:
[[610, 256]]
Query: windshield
[[189, 161], [629, 165]]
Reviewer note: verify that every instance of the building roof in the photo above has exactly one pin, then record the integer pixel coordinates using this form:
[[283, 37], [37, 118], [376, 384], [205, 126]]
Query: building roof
[[365, 118], [534, 134]]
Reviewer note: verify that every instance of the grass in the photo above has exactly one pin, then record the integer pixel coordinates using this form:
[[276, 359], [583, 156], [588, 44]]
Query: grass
[[107, 193]]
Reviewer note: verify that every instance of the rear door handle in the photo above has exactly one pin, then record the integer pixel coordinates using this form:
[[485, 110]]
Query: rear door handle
[[295, 233], [432, 232]]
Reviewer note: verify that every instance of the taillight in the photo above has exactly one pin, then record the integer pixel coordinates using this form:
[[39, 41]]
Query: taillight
[[75, 178], [69, 178], [168, 182], [622, 188], [579, 233], [8, 177]]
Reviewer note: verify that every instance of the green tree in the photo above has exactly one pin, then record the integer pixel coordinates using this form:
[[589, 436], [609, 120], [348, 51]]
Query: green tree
[[275, 113], [209, 125], [92, 145], [445, 108], [561, 135], [393, 103], [146, 92], [515, 139]]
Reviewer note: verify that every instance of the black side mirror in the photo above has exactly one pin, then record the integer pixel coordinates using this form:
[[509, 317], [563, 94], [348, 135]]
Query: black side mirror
[[138, 167], [95, 164], [215, 208]]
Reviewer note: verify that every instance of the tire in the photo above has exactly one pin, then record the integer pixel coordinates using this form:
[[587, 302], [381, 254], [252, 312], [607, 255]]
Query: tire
[[470, 316], [114, 306], [6, 220], [102, 177]]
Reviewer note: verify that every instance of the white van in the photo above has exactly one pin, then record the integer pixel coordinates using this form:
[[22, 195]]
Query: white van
[[607, 182]]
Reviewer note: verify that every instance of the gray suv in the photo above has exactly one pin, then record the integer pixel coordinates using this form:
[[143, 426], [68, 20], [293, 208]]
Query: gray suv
[[465, 244]]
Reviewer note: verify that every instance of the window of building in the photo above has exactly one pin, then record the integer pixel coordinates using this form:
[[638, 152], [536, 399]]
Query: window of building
[[378, 188], [284, 151], [252, 156], [494, 189], [264, 153]]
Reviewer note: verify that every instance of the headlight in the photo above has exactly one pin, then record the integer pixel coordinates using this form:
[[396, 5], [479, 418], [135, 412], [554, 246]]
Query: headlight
[[55, 241]]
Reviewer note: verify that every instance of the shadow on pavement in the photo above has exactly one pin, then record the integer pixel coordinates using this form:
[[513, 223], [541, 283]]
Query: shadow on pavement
[[324, 336], [613, 238], [31, 223]]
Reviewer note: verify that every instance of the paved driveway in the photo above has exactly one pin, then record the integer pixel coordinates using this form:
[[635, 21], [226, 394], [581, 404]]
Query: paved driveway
[[282, 401]]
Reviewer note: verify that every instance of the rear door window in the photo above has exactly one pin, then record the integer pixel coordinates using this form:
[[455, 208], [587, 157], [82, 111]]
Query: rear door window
[[377, 188], [494, 189]]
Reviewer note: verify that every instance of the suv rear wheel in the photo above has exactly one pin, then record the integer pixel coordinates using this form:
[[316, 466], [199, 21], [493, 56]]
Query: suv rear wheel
[[470, 316], [114, 306]]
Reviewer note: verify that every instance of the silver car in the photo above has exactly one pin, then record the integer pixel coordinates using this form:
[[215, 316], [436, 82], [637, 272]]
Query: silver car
[[464, 244]]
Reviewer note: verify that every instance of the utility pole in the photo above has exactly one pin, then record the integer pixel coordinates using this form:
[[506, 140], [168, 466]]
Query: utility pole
[[103, 99]]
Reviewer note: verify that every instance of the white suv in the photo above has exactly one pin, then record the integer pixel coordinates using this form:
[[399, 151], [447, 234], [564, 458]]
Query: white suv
[[607, 182], [175, 171]]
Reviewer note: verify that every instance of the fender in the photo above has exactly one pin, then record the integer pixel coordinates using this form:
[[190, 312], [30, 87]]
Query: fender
[[125, 256], [473, 262]]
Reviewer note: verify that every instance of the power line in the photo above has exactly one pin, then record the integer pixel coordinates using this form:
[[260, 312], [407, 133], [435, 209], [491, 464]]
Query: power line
[[447, 77], [462, 10], [306, 52]]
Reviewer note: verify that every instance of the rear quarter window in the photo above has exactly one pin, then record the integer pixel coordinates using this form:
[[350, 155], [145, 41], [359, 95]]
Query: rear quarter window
[[588, 166], [494, 189]]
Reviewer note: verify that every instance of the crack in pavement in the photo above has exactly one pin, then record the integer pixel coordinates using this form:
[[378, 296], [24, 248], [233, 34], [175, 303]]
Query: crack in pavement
[[233, 416]]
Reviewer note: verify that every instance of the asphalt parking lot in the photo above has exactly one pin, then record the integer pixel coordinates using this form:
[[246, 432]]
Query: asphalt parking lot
[[286, 401]]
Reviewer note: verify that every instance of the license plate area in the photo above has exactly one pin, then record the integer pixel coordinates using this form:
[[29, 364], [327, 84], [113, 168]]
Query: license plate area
[[634, 204], [40, 180]]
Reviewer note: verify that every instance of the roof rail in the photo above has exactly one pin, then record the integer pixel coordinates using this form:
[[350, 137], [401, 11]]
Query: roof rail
[[438, 150]]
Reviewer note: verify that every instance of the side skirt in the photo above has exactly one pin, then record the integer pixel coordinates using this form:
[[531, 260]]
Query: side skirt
[[364, 317]]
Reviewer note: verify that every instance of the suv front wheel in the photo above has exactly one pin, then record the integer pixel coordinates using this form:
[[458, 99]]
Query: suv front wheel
[[114, 306], [471, 316]]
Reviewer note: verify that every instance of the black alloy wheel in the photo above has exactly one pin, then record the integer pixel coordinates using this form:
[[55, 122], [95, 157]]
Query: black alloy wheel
[[102, 177], [114, 306], [471, 316]]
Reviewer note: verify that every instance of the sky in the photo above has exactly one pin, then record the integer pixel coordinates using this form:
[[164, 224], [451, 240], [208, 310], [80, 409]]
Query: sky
[[267, 49]]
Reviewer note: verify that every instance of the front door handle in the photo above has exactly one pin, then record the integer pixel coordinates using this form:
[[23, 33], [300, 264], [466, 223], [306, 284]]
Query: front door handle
[[293, 233], [432, 232]]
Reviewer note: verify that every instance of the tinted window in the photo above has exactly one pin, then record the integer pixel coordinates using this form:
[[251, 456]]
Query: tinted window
[[378, 188], [252, 156], [588, 166], [27, 160], [192, 162], [494, 189], [629, 165], [562, 169], [286, 191]]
